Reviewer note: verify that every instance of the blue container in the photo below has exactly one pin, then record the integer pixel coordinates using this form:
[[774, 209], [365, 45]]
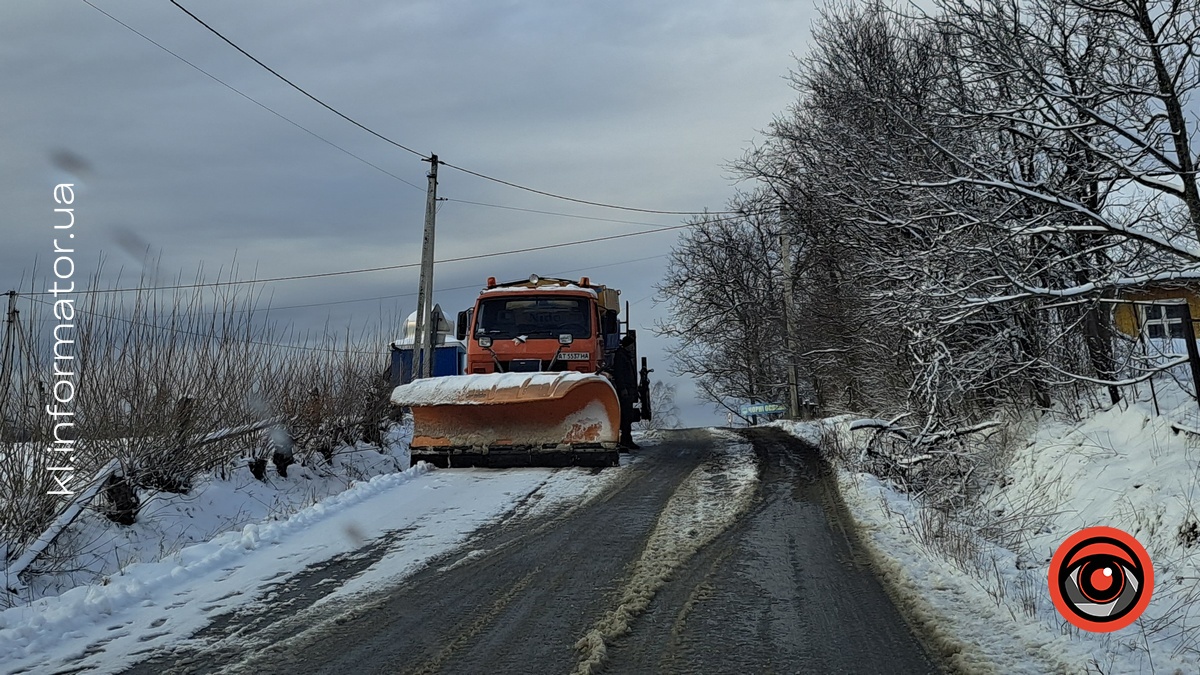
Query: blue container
[[447, 360]]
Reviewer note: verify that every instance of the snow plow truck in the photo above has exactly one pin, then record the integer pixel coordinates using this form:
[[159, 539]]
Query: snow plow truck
[[534, 391]]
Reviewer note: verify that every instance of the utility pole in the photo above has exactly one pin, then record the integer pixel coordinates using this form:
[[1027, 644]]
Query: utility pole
[[785, 246], [423, 339], [10, 326]]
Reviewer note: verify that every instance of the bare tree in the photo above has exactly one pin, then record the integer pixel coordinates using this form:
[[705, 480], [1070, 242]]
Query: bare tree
[[965, 191], [860, 256], [726, 314], [662, 403]]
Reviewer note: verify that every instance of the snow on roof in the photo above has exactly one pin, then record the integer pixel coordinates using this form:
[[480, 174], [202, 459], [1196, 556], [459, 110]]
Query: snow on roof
[[504, 290]]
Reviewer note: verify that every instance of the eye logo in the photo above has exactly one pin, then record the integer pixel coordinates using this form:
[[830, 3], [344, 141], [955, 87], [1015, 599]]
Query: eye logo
[[1101, 579]]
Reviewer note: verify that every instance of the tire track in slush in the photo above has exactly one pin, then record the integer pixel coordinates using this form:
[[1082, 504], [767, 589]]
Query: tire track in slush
[[710, 499], [513, 600], [477, 626], [785, 589]]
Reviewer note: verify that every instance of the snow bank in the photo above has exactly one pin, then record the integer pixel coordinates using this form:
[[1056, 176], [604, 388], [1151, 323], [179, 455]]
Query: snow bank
[[47, 625], [1123, 468], [94, 547], [957, 612]]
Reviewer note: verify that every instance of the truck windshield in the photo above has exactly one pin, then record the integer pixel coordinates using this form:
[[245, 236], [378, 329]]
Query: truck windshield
[[534, 317]]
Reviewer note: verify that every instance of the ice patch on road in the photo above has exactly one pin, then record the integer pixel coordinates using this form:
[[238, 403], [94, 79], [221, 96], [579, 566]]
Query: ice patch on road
[[707, 502]]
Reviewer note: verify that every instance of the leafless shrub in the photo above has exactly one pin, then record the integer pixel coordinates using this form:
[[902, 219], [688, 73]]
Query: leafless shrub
[[1188, 533], [157, 369], [1030, 589], [1094, 665], [25, 503], [157, 372], [941, 534], [1176, 617], [948, 470], [835, 447]]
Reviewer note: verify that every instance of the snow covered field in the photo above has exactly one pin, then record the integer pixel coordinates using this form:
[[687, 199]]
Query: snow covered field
[[230, 542], [980, 587]]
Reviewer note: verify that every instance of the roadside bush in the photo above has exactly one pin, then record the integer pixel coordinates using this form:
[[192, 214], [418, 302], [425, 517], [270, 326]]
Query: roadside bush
[[158, 375]]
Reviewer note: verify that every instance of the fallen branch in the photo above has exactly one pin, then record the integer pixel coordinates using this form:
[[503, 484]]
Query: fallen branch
[[64, 519], [955, 433], [882, 425], [1176, 427]]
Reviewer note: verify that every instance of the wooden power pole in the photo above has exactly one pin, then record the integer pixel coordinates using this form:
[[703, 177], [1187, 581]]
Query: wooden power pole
[[785, 245], [422, 355], [6, 368]]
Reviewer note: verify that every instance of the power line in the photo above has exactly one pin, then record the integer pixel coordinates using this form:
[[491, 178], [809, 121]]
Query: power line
[[384, 268], [252, 99], [358, 157], [180, 331], [575, 199], [452, 288], [384, 138], [550, 213], [298, 88]]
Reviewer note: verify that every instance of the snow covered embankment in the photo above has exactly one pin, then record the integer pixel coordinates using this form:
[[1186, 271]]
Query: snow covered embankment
[[977, 581], [105, 626]]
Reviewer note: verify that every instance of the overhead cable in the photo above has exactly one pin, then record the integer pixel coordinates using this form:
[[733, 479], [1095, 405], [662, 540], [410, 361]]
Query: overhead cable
[[382, 268], [406, 148], [253, 100]]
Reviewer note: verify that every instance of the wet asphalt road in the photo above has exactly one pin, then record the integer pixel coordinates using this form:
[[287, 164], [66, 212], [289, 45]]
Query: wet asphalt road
[[784, 589]]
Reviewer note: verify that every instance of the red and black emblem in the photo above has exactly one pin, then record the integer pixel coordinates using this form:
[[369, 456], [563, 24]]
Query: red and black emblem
[[1101, 579]]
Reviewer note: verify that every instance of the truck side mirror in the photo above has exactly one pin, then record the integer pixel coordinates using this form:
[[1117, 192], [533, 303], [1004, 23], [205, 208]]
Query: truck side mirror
[[462, 325]]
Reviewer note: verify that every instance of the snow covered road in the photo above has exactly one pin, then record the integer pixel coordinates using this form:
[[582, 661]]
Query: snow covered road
[[349, 545], [708, 552]]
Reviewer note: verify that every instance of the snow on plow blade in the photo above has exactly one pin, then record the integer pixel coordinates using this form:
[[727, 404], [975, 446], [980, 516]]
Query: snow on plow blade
[[513, 419]]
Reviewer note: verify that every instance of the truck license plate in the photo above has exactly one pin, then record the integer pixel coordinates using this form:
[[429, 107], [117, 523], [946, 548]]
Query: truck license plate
[[573, 356]]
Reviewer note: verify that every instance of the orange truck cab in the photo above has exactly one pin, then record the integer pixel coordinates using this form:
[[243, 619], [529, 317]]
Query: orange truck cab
[[541, 325]]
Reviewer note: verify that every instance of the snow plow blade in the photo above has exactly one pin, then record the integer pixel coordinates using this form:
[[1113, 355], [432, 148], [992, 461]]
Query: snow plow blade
[[513, 419]]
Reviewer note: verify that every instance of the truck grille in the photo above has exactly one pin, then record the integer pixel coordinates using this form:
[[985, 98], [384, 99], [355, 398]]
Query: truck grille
[[524, 365]]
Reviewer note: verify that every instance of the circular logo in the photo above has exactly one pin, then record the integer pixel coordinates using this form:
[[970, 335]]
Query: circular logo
[[1101, 579]]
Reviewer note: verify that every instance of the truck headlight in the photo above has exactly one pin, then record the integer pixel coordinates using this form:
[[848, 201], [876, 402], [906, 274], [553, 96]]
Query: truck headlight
[[565, 339], [485, 341]]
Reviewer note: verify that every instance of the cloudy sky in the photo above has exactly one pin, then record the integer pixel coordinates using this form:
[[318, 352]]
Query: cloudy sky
[[626, 102]]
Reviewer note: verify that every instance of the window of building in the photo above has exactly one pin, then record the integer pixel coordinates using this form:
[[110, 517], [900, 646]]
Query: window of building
[[1164, 319]]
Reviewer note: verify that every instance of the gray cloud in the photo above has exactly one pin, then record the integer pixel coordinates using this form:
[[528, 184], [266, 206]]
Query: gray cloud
[[628, 102]]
